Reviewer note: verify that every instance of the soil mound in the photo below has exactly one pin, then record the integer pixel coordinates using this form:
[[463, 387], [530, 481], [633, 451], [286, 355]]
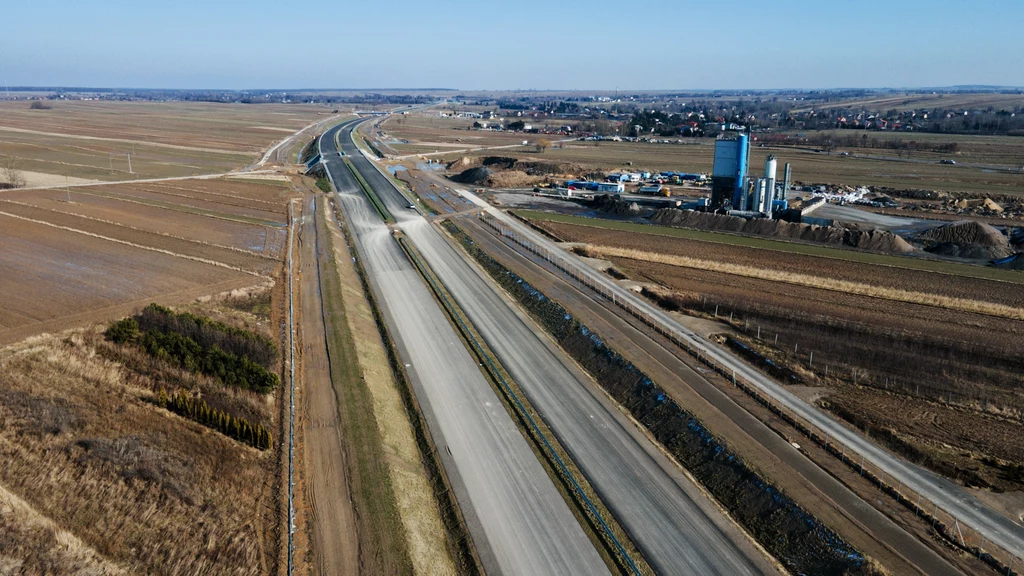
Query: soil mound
[[966, 232], [461, 163], [871, 239], [611, 205], [969, 251], [500, 162], [512, 179], [531, 167], [473, 176], [967, 239]]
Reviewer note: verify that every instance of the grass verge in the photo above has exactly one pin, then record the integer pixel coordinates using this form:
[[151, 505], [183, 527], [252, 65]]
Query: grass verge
[[382, 544], [460, 542]]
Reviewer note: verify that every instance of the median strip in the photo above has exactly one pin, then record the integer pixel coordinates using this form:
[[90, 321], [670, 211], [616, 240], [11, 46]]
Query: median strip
[[377, 204]]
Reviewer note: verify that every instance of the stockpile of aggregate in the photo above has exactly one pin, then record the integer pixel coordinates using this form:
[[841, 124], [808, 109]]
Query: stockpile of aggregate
[[611, 205], [474, 176], [866, 239], [967, 239]]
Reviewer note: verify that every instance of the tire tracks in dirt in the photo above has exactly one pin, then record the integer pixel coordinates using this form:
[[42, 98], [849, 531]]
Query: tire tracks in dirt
[[331, 518]]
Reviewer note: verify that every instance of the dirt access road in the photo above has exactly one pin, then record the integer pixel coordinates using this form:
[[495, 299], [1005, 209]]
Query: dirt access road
[[331, 518]]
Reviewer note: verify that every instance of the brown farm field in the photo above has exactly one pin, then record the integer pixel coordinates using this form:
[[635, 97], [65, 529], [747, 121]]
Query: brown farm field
[[115, 248], [960, 369], [92, 140], [428, 132]]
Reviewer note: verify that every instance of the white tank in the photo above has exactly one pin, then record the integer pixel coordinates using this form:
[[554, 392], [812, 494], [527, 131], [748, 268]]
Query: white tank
[[769, 174]]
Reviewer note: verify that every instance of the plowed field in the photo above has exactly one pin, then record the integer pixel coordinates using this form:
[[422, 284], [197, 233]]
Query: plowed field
[[901, 278], [116, 248]]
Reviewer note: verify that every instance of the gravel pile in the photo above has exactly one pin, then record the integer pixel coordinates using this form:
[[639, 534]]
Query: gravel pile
[[870, 239]]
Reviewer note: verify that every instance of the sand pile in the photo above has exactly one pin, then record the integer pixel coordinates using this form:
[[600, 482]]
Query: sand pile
[[966, 232], [871, 239], [967, 239], [990, 205], [461, 163]]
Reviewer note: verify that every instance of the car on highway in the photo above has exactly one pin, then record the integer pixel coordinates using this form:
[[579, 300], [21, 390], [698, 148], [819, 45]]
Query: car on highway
[[947, 161]]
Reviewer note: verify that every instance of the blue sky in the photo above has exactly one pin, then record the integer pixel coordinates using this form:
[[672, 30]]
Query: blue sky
[[521, 44]]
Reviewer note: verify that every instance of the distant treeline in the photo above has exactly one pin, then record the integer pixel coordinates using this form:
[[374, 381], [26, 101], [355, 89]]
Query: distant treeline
[[237, 357], [844, 140]]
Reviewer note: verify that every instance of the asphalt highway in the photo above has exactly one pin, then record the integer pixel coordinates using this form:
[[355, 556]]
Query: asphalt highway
[[951, 498], [519, 522], [677, 528]]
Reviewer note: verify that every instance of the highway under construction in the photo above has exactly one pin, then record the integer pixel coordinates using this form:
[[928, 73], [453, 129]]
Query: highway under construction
[[518, 520]]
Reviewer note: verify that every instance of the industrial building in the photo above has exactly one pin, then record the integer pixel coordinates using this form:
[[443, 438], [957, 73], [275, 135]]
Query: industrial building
[[733, 191], [729, 176]]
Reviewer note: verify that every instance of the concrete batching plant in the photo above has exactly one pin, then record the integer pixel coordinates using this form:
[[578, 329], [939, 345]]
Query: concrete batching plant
[[731, 189], [729, 177]]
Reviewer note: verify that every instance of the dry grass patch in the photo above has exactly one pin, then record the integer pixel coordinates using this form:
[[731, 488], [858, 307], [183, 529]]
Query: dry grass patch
[[845, 286], [424, 532], [84, 446], [31, 543]]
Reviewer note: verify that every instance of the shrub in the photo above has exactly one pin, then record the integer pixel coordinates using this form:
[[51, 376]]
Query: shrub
[[237, 357], [197, 410], [125, 330]]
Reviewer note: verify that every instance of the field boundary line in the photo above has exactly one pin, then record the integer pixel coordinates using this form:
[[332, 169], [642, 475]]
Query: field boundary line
[[164, 234], [126, 141], [134, 245]]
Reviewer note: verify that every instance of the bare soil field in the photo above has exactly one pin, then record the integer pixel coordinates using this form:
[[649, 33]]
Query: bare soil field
[[179, 215], [57, 155], [78, 272], [240, 260], [115, 248], [227, 127], [904, 279], [124, 485], [38, 179], [916, 101], [92, 140], [873, 357], [426, 130]]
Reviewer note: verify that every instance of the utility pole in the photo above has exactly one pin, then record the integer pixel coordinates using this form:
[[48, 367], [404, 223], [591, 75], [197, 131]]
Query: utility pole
[[67, 187], [130, 163]]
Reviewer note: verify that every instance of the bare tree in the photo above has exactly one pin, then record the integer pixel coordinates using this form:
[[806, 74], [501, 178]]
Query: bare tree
[[12, 174], [543, 144]]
